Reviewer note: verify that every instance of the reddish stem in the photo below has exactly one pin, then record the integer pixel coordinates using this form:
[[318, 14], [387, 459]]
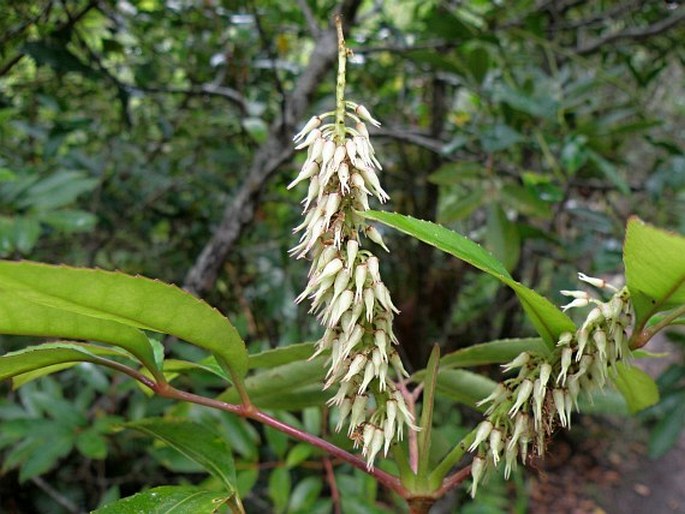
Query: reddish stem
[[330, 478], [453, 481], [252, 412]]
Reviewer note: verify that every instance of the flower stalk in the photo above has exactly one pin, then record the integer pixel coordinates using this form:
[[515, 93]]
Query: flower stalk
[[345, 286], [524, 410]]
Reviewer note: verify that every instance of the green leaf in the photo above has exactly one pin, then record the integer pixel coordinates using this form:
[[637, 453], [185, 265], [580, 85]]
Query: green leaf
[[298, 454], [636, 386], [282, 355], [547, 319], [58, 190], [499, 137], [502, 237], [655, 269], [134, 301], [610, 172], [26, 233], [279, 488], [493, 352], [46, 453], [285, 386], [208, 365], [18, 316], [168, 499], [70, 220], [464, 386], [666, 432], [426, 423], [29, 359], [91, 444], [304, 495], [195, 441]]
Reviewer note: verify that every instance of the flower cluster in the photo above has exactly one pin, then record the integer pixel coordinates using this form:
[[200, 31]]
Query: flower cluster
[[525, 409], [345, 286]]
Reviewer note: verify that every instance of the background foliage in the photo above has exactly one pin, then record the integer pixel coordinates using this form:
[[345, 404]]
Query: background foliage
[[126, 128]]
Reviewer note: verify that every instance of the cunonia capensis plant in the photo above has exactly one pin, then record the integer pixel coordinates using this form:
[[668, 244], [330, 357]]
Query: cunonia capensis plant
[[106, 318]]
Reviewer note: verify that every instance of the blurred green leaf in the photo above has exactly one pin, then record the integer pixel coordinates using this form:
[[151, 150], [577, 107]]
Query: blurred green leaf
[[499, 137], [279, 488], [195, 441], [304, 495], [667, 431]]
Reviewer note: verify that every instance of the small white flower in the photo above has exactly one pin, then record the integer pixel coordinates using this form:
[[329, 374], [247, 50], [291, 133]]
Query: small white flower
[[482, 434], [477, 470], [313, 123], [523, 392], [520, 360]]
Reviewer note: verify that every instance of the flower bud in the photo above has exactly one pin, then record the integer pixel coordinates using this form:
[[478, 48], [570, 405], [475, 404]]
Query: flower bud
[[375, 236], [477, 470], [313, 123], [311, 137], [523, 392], [482, 434]]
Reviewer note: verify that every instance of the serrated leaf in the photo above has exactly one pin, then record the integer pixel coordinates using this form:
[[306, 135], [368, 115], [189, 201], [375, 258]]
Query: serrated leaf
[[547, 319], [195, 441], [18, 316], [655, 269], [21, 362], [168, 499], [637, 387], [129, 300]]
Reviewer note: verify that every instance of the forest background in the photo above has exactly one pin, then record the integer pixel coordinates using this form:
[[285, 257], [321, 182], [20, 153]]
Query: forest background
[[154, 137]]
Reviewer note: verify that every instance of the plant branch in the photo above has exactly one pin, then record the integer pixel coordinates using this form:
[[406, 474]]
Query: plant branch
[[453, 481], [642, 336], [59, 498], [330, 478], [635, 34], [72, 19], [251, 412]]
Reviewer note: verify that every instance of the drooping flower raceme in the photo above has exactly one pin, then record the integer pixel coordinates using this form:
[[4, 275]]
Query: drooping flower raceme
[[345, 285], [525, 409]]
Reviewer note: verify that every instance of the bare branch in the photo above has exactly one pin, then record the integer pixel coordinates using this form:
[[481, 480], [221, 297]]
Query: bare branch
[[195, 90], [433, 145], [635, 33], [72, 19]]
